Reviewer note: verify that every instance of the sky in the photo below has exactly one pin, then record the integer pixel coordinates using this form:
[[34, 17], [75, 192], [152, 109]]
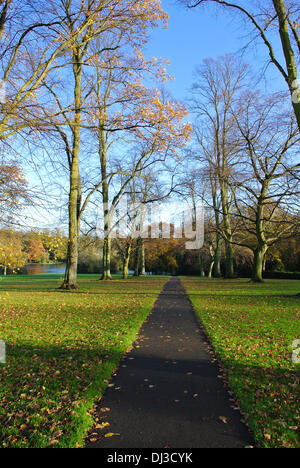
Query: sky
[[199, 33]]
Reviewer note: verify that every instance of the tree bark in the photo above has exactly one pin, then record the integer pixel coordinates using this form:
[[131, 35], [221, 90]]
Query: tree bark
[[211, 266], [105, 199], [126, 261], [143, 258], [70, 281], [137, 265], [106, 275], [262, 247], [288, 55], [217, 259], [259, 255], [202, 271], [229, 268]]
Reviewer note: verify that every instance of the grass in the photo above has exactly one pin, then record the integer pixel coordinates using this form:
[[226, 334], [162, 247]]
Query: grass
[[252, 328], [62, 348]]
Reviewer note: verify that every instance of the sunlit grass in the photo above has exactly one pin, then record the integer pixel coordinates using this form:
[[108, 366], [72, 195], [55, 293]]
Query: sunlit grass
[[252, 328], [61, 349]]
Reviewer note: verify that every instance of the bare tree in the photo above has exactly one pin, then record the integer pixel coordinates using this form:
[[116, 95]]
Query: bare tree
[[265, 16], [215, 93], [264, 195]]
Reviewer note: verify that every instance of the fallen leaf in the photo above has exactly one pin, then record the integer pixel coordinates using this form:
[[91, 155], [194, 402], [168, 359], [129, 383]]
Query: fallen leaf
[[223, 419], [104, 410], [102, 425]]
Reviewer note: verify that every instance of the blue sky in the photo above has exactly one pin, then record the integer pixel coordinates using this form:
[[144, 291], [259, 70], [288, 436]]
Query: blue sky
[[198, 33]]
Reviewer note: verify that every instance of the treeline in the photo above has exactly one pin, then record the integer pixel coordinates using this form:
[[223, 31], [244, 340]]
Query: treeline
[[143, 256], [18, 248], [169, 256]]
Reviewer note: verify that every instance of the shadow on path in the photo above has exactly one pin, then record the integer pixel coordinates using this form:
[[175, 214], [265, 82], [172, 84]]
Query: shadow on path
[[167, 391]]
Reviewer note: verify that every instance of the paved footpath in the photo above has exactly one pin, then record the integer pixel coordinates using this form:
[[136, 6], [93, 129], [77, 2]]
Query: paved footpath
[[167, 392]]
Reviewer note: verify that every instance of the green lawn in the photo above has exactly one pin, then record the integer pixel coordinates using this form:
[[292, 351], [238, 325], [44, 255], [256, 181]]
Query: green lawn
[[62, 348], [252, 328]]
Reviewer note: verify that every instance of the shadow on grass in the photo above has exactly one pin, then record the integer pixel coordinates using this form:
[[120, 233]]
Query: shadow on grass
[[44, 387], [248, 294]]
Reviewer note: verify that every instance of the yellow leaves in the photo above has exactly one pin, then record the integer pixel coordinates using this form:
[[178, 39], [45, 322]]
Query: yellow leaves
[[111, 434], [223, 419], [102, 425]]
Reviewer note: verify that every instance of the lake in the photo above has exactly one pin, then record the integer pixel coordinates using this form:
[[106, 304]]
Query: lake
[[46, 268]]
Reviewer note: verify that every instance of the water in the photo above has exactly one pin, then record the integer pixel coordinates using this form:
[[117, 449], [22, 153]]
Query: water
[[46, 269]]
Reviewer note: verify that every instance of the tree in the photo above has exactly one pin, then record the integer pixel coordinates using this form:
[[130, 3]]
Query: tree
[[145, 190], [93, 31], [35, 250], [13, 189], [263, 197], [161, 255], [32, 38], [215, 93], [55, 244], [124, 247], [148, 120], [12, 256], [264, 17]]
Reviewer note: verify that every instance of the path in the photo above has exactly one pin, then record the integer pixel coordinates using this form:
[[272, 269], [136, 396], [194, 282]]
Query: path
[[167, 392]]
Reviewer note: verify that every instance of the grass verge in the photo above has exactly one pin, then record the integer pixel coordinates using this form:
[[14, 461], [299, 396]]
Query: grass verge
[[62, 348], [252, 328]]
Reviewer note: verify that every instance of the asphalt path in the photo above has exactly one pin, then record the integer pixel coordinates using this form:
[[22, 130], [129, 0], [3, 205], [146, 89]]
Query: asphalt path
[[167, 392]]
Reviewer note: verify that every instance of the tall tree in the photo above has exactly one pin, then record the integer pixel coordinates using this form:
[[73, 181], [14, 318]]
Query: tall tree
[[264, 17], [84, 24], [215, 92], [271, 140]]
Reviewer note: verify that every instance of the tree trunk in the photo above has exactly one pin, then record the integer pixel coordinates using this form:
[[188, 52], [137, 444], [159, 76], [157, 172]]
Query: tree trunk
[[106, 259], [288, 55], [217, 257], [126, 261], [262, 247], [259, 254], [105, 199], [70, 281], [143, 258], [229, 269], [211, 266], [137, 264], [217, 260], [5, 270], [202, 271]]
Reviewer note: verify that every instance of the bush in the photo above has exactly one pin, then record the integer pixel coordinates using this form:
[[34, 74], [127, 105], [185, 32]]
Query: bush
[[289, 275]]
